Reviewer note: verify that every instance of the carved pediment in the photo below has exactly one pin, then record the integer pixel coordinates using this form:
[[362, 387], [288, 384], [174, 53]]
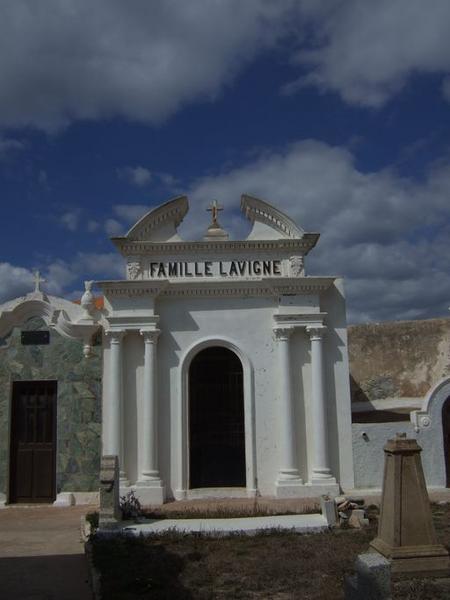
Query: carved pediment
[[160, 224], [268, 221]]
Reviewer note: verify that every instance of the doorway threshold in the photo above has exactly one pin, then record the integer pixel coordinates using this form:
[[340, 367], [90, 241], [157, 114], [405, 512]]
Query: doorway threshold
[[219, 492]]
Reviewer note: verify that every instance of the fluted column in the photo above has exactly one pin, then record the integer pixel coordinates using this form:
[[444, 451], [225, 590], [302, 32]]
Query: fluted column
[[288, 473], [149, 462], [321, 472], [114, 426]]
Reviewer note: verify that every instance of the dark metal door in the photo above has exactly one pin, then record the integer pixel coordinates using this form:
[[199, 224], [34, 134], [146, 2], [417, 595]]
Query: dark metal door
[[216, 420], [33, 442]]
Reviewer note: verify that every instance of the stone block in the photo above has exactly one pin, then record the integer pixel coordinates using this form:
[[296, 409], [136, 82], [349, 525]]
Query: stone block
[[372, 579], [328, 509], [109, 491], [358, 518], [64, 499]]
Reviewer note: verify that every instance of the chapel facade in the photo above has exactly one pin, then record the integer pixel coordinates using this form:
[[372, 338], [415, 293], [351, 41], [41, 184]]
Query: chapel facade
[[225, 369]]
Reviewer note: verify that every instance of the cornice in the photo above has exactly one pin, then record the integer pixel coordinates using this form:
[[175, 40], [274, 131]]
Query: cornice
[[218, 287], [130, 247]]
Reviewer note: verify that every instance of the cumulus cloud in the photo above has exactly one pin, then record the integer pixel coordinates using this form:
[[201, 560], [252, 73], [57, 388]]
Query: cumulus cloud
[[14, 281], [385, 233], [140, 60], [145, 60], [366, 50]]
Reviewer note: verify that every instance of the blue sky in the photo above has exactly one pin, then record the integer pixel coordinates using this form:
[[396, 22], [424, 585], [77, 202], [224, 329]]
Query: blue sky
[[336, 112]]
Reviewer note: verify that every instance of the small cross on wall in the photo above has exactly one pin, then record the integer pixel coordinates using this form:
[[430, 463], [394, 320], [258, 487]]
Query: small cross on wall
[[37, 281], [214, 210]]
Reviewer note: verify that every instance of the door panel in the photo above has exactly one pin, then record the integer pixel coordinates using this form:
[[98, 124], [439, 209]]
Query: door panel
[[33, 442]]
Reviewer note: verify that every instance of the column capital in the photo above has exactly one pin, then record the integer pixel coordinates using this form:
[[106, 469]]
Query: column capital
[[116, 335], [150, 335], [282, 334], [316, 332]]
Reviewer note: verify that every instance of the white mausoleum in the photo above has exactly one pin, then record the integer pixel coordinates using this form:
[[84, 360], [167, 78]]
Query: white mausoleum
[[225, 369]]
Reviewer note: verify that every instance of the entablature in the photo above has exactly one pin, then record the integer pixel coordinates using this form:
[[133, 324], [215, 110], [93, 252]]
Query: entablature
[[218, 287]]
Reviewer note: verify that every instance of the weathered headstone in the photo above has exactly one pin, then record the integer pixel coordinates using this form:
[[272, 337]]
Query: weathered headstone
[[328, 509], [109, 491], [372, 579], [406, 535]]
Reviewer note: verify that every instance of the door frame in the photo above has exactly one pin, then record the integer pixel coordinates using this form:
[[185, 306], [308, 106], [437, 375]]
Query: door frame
[[228, 355], [12, 457], [182, 418]]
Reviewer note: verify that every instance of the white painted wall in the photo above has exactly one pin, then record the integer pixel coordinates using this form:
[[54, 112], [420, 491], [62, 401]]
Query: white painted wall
[[368, 452], [247, 323]]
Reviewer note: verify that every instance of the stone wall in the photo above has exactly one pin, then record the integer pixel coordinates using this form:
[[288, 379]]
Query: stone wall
[[401, 359], [78, 403]]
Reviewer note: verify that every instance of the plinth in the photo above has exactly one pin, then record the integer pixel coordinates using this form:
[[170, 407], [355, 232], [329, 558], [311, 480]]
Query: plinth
[[406, 534]]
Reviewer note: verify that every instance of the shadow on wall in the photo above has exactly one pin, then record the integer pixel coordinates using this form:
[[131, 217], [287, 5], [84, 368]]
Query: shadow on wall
[[356, 391]]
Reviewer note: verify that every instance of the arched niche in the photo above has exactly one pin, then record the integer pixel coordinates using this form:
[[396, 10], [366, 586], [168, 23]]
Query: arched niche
[[182, 442]]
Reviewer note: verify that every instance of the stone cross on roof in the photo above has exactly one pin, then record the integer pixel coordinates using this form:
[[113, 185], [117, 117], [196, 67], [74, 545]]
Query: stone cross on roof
[[37, 281], [214, 210]]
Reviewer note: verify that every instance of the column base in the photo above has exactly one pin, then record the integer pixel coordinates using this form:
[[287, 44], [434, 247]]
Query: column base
[[292, 489], [288, 488], [150, 492], [322, 479]]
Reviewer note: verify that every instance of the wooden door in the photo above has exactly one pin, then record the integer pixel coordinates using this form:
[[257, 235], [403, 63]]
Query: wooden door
[[216, 420], [33, 442]]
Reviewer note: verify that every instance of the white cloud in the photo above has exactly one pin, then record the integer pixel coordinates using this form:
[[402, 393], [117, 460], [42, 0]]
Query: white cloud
[[14, 281], [130, 212], [138, 176], [113, 227], [140, 60], [366, 50], [145, 61], [386, 234], [61, 276]]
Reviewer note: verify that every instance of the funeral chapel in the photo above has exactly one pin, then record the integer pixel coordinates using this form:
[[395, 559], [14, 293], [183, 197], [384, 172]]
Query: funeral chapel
[[224, 369]]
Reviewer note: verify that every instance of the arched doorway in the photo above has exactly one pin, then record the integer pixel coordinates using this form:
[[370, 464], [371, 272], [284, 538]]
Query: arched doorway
[[446, 435], [216, 420]]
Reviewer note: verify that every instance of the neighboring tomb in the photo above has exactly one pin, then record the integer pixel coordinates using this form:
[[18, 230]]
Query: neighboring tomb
[[400, 381], [50, 409]]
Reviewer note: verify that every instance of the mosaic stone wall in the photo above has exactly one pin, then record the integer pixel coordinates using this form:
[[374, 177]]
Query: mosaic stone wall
[[78, 403]]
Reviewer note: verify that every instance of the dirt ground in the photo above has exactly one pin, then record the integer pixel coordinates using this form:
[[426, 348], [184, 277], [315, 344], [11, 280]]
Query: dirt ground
[[276, 565], [41, 554]]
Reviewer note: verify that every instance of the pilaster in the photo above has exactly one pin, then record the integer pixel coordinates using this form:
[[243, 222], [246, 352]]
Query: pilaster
[[321, 472], [150, 486], [288, 480]]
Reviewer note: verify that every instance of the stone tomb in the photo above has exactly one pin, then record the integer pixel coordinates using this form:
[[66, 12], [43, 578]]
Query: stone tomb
[[224, 370], [225, 367]]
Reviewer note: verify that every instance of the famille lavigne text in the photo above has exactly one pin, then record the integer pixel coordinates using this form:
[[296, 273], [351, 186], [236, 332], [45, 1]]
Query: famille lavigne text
[[234, 268]]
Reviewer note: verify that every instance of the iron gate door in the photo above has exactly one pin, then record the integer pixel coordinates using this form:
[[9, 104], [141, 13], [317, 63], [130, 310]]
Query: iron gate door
[[216, 420]]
